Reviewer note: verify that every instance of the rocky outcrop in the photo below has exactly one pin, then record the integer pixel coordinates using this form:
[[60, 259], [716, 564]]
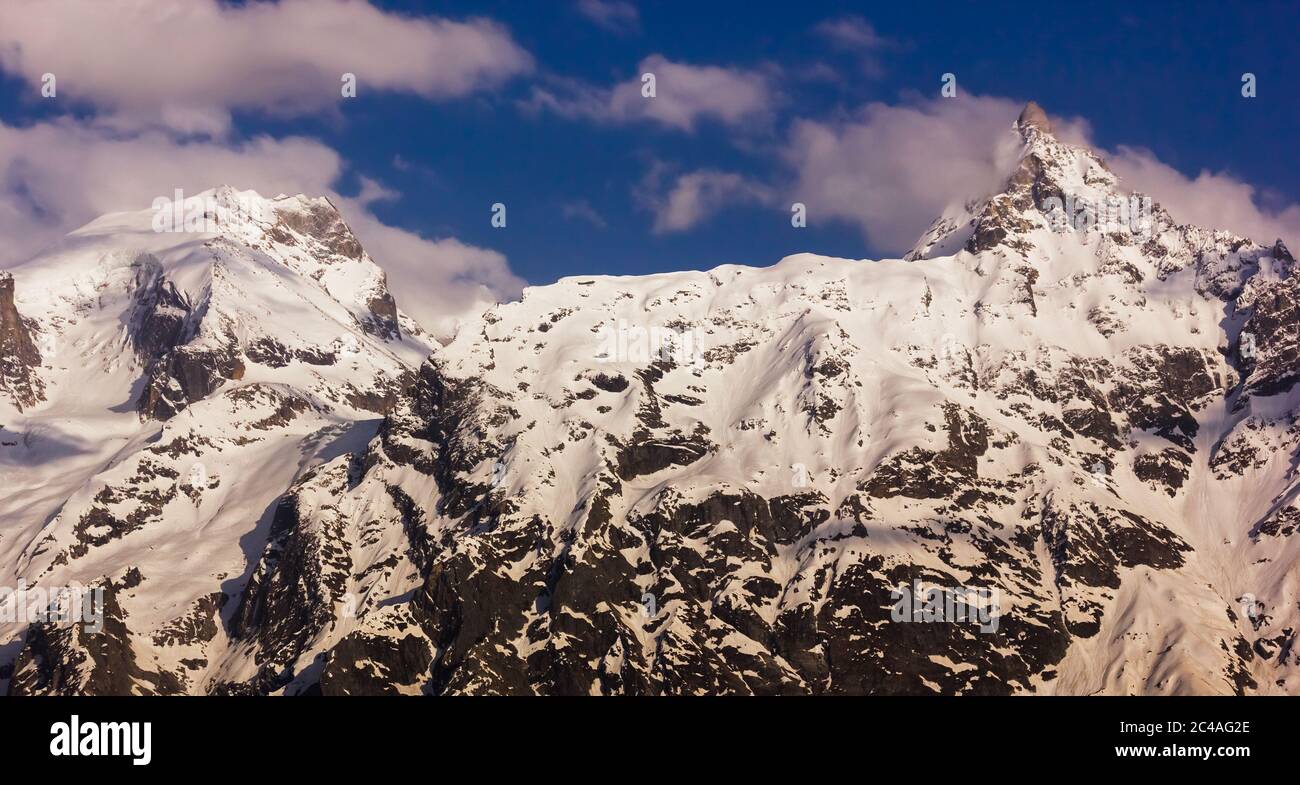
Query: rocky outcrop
[[290, 597], [87, 657], [1268, 345], [179, 369], [184, 375], [20, 356], [383, 321], [368, 664], [322, 223]]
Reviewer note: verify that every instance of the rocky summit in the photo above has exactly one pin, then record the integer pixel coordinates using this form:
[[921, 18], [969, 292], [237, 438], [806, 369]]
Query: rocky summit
[[1061, 400]]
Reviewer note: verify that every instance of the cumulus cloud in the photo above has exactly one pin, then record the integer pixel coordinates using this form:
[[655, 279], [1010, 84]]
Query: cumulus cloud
[[685, 94], [186, 64], [618, 16], [56, 176], [95, 171], [694, 196], [439, 281], [892, 170], [1214, 200]]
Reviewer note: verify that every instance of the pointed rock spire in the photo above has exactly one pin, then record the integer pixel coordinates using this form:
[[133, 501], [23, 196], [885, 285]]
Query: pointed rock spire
[[19, 355], [1033, 116]]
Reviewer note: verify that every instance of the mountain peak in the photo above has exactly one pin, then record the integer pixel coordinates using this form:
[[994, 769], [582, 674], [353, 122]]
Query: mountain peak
[[1048, 170], [1033, 116]]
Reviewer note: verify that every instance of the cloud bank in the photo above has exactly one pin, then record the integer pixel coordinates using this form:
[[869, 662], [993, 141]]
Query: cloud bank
[[893, 169], [1212, 199], [187, 65]]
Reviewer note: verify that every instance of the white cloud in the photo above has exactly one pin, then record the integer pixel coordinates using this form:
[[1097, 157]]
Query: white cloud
[[1213, 200], [618, 16], [695, 196], [851, 32], [55, 177], [186, 64], [893, 169], [439, 281], [684, 95], [856, 35]]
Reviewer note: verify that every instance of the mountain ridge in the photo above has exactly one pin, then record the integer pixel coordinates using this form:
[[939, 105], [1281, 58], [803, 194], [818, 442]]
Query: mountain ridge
[[713, 481]]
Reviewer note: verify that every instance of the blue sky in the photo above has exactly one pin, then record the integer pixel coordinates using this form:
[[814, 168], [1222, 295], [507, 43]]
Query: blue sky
[[586, 180], [1165, 77]]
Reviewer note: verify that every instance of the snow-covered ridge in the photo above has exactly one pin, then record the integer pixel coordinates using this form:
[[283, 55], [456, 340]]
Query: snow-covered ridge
[[687, 482]]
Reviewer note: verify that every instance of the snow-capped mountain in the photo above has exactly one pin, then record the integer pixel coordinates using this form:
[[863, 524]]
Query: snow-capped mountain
[[163, 388], [695, 482]]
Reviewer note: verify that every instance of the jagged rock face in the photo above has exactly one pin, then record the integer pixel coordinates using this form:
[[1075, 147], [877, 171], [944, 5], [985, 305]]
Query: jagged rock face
[[384, 321], [19, 355], [72, 660], [163, 322], [183, 376], [1268, 344], [717, 482], [1033, 116], [162, 316], [319, 223]]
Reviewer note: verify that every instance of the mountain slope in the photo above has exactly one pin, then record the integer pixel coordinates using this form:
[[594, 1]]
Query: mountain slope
[[706, 482]]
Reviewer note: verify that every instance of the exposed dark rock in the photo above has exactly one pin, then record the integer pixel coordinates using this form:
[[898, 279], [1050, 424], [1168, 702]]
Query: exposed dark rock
[[321, 221], [185, 375], [1033, 116], [19, 355], [198, 625], [75, 659], [161, 317], [1167, 468], [383, 312], [364, 664], [291, 595], [1274, 326], [614, 384], [1282, 523], [925, 474], [655, 454]]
